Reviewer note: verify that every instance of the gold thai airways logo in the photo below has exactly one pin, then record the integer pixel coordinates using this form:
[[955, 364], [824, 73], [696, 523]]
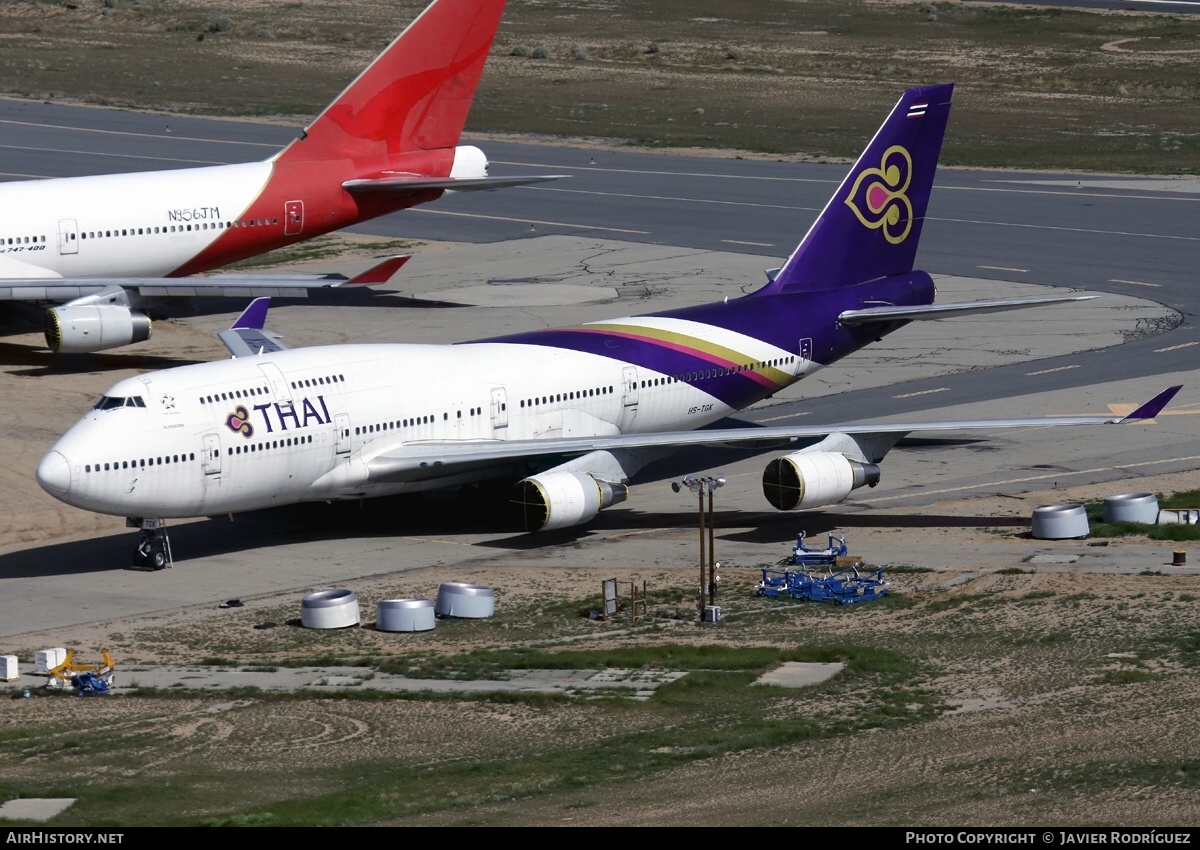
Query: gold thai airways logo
[[239, 422], [878, 197]]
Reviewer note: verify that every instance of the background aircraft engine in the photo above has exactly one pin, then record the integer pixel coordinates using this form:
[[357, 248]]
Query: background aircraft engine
[[562, 499], [812, 479], [94, 327]]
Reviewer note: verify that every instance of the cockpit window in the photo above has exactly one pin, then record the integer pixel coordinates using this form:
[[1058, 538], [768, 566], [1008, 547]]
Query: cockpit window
[[111, 402]]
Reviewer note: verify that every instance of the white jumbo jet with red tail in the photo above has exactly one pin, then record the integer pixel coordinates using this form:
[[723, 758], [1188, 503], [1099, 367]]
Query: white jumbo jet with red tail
[[103, 246]]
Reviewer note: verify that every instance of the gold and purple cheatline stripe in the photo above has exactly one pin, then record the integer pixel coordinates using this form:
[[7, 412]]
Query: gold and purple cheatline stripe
[[710, 352]]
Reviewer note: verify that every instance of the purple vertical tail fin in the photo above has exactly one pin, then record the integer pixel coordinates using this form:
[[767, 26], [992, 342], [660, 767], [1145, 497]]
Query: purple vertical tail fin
[[871, 225]]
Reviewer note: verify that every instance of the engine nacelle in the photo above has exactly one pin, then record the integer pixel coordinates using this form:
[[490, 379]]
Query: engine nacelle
[[562, 499], [812, 479], [94, 327], [469, 161]]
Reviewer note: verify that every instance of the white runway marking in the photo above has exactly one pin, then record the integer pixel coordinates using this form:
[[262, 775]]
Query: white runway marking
[[528, 221], [787, 207], [1048, 371], [1175, 347], [1055, 475], [1064, 229], [115, 155], [786, 416], [640, 171], [266, 145]]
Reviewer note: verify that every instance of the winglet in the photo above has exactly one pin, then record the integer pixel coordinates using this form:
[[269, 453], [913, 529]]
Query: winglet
[[380, 272], [247, 337], [1154, 406], [254, 316]]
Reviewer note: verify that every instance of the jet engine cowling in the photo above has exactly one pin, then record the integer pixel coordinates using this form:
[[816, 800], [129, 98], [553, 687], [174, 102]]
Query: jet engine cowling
[[94, 327], [563, 499], [812, 479]]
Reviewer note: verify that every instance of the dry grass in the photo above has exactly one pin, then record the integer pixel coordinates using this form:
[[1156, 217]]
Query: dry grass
[[981, 696]]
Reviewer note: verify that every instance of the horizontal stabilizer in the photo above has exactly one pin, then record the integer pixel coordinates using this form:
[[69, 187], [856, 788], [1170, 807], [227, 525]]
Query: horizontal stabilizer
[[406, 184], [873, 315]]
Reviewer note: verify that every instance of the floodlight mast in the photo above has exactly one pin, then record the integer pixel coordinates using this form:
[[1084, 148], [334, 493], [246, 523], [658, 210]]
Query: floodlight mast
[[700, 486]]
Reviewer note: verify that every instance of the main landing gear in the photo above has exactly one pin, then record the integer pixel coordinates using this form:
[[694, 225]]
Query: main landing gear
[[153, 550]]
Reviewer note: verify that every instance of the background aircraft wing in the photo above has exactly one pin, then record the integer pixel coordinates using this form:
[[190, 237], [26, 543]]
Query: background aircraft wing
[[428, 460], [66, 290]]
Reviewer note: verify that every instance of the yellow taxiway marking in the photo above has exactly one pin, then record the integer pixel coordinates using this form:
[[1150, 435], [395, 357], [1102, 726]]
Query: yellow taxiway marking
[[1125, 408], [1133, 282], [436, 540]]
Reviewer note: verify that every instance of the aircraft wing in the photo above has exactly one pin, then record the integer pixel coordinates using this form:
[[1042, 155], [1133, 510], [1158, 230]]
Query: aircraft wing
[[871, 315], [398, 185], [426, 460], [65, 290]]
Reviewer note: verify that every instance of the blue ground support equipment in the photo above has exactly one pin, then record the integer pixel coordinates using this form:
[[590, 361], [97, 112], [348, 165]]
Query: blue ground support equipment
[[86, 684], [802, 556], [845, 587]]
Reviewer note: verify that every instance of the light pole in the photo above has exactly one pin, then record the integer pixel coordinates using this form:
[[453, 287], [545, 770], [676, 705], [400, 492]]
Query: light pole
[[700, 486]]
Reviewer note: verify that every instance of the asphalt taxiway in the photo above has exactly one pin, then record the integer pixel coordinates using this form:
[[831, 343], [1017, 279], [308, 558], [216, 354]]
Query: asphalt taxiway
[[633, 232], [70, 577]]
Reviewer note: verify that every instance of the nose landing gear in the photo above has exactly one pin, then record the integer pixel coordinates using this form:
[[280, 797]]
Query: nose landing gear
[[153, 551]]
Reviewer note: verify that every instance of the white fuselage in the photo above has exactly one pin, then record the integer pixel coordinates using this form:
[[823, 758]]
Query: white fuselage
[[130, 227], [302, 425], [122, 225]]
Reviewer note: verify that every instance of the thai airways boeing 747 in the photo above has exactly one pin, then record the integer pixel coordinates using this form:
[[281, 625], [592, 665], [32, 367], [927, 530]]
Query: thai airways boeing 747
[[108, 244], [568, 415]]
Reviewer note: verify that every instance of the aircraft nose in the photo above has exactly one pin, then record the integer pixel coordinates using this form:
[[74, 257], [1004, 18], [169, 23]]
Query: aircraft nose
[[54, 474]]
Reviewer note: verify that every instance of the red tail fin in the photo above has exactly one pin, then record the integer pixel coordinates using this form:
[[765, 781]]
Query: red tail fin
[[415, 95]]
